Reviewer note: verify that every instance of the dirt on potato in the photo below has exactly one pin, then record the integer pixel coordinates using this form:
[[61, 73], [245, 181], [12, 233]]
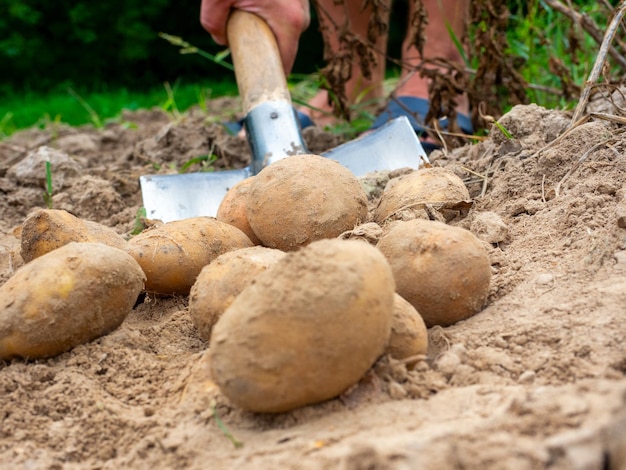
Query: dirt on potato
[[535, 380]]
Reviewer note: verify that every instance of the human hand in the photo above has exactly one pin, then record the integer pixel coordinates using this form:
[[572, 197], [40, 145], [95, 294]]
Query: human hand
[[286, 18]]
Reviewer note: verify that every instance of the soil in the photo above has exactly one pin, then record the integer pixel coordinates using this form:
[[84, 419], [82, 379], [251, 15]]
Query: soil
[[535, 380]]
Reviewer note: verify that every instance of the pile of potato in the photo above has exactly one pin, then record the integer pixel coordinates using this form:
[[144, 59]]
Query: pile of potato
[[293, 313]]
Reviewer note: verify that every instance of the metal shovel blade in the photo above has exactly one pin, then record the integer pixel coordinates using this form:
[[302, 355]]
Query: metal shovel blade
[[174, 197]]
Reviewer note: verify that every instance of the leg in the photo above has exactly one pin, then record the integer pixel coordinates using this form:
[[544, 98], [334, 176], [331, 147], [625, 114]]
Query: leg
[[438, 44], [357, 87]]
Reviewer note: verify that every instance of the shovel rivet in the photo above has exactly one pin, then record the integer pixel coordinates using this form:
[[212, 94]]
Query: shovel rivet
[[274, 115]]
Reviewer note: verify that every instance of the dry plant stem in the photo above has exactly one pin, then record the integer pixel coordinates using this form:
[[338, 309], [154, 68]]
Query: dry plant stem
[[589, 26], [408, 360], [581, 121], [615, 105], [480, 179], [609, 117], [490, 171], [557, 187], [599, 63], [479, 175], [354, 50], [444, 144]]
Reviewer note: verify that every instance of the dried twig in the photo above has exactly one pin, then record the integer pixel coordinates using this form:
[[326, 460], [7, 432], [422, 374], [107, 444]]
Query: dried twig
[[479, 175], [599, 63], [490, 171], [444, 144], [581, 121], [584, 157], [609, 117], [589, 26], [410, 359]]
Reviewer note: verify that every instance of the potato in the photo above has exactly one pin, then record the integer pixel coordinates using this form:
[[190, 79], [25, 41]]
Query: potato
[[222, 280], [409, 336], [304, 198], [232, 209], [307, 329], [48, 229], [405, 197], [443, 271], [72, 295], [173, 254]]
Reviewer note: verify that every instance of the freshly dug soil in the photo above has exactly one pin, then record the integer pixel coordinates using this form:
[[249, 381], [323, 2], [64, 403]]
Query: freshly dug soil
[[535, 380]]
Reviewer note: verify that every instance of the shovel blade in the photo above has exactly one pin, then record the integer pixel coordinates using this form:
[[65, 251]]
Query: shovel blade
[[175, 197], [391, 147]]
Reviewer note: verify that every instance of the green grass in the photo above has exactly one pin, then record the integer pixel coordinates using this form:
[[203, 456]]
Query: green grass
[[75, 107], [541, 34]]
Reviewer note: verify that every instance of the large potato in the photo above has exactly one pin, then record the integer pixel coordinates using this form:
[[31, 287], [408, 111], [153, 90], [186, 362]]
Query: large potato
[[409, 336], [173, 254], [67, 297], [443, 271], [405, 197], [307, 329], [221, 281], [232, 209], [304, 198], [48, 229]]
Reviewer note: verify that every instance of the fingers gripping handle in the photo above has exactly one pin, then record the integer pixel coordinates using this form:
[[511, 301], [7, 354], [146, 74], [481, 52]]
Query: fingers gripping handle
[[258, 66]]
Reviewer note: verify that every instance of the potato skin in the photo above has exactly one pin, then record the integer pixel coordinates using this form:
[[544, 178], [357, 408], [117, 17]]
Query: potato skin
[[173, 254], [443, 271], [67, 297], [48, 229], [409, 193], [409, 336], [307, 329], [221, 281], [304, 198], [232, 209]]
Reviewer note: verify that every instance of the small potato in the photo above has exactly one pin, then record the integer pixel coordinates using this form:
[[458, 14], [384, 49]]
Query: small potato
[[304, 198], [173, 254], [48, 229], [443, 271], [232, 209], [307, 329], [67, 297], [409, 336], [221, 281], [405, 197]]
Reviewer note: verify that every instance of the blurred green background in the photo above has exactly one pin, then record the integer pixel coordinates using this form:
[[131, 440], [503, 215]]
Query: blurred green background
[[46, 44], [76, 61]]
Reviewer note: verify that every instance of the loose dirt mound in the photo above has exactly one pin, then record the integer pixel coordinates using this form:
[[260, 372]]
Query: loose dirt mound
[[536, 380]]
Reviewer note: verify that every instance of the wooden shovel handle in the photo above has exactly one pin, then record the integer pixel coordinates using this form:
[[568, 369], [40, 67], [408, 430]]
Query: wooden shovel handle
[[258, 67]]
